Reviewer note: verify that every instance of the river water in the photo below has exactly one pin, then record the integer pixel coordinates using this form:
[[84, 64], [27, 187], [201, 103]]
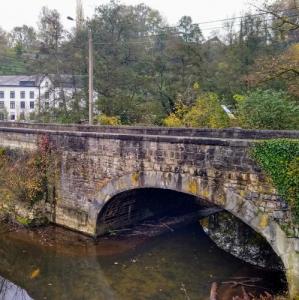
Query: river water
[[57, 264]]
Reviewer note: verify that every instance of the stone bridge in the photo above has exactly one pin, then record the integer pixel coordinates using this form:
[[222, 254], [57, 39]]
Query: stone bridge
[[98, 163]]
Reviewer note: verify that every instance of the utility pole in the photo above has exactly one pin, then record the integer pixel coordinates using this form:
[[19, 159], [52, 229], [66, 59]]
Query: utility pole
[[90, 76]]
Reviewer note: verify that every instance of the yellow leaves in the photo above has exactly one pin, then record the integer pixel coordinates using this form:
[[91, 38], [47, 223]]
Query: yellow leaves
[[293, 53], [206, 112], [180, 109], [172, 121], [107, 120], [239, 98], [196, 86], [35, 274]]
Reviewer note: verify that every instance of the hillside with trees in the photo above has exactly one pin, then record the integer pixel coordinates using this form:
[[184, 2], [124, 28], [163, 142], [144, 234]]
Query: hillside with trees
[[149, 73]]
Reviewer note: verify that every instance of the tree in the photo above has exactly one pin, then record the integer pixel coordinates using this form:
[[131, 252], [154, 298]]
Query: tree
[[286, 19], [268, 109], [3, 40], [279, 69], [23, 38], [189, 31], [51, 32]]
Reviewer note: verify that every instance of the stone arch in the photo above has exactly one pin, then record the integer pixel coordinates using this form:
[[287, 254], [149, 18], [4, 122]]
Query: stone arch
[[221, 195]]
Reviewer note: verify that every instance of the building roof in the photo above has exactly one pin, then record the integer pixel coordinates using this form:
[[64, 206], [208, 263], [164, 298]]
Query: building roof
[[214, 41], [62, 81], [20, 80]]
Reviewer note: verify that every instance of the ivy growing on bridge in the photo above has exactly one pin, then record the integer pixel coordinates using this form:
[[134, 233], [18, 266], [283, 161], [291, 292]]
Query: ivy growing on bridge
[[280, 160]]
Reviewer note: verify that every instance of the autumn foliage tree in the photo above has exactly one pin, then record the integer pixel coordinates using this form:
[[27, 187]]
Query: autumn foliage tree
[[205, 112], [283, 69]]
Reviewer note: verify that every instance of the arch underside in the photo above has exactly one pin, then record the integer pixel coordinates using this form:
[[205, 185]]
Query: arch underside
[[217, 193], [212, 191]]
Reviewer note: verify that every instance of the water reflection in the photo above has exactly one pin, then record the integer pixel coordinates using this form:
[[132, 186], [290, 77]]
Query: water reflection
[[171, 266]]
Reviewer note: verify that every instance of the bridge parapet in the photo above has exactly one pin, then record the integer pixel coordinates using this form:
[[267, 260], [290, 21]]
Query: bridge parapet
[[228, 133]]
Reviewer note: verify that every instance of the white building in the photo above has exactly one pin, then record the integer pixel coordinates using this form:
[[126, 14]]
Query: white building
[[23, 96]]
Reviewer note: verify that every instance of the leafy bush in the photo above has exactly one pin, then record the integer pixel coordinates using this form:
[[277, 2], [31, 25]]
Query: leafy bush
[[206, 112], [280, 160], [24, 176], [268, 109], [172, 121], [107, 120]]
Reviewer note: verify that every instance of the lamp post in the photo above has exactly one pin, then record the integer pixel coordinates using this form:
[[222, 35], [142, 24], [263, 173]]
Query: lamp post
[[90, 74]]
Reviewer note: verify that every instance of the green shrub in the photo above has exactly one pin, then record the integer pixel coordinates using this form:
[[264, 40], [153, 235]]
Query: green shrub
[[268, 109], [280, 160]]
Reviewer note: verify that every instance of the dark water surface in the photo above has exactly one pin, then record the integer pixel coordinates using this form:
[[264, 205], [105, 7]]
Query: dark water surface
[[56, 264]]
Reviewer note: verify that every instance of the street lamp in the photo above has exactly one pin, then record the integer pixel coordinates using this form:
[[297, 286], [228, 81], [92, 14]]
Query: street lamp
[[90, 73]]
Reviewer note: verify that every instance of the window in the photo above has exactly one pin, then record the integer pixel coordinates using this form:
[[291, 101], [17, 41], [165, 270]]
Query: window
[[27, 83], [1, 94], [31, 104], [47, 95], [1, 104], [46, 104], [47, 84], [12, 117], [12, 105], [2, 117], [22, 104], [22, 94], [31, 94], [12, 94]]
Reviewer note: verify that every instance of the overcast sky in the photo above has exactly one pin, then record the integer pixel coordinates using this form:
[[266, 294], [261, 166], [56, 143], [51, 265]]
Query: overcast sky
[[18, 12]]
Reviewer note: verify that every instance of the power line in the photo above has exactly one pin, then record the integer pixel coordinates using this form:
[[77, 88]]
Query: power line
[[180, 33], [236, 18], [224, 20], [265, 22]]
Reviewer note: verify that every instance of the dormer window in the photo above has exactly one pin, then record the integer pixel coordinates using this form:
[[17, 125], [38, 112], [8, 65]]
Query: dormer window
[[27, 83]]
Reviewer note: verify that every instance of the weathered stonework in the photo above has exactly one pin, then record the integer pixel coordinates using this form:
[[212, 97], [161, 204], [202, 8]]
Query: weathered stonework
[[98, 163]]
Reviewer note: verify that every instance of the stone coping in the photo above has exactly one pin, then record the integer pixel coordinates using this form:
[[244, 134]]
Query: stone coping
[[230, 133], [132, 137]]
